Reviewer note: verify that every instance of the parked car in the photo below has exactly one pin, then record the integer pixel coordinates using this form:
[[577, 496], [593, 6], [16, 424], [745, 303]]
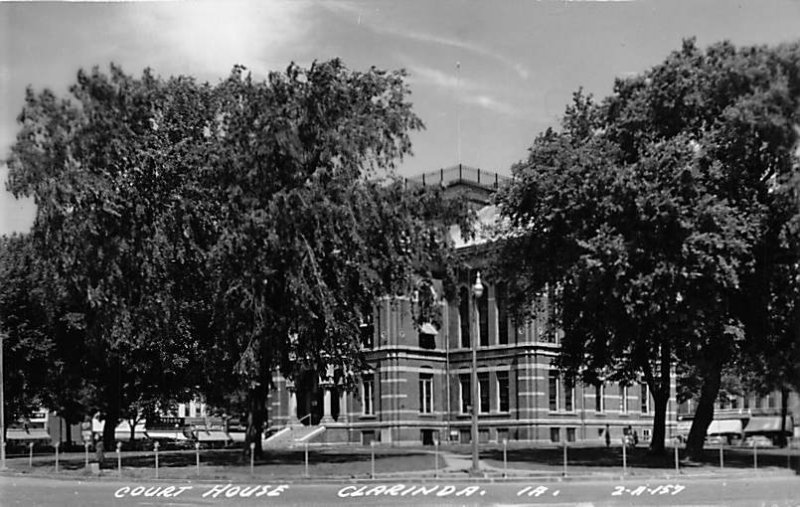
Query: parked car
[[759, 441]]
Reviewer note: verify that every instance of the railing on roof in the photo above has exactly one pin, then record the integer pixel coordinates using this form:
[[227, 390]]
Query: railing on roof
[[460, 174]]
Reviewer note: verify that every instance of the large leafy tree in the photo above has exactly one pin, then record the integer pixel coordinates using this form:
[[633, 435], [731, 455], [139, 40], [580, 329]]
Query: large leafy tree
[[106, 172], [202, 238], [310, 232], [647, 212]]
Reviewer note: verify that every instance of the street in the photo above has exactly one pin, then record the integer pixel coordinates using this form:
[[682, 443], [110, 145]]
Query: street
[[769, 490]]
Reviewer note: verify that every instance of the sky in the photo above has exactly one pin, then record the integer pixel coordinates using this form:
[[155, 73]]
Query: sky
[[486, 77]]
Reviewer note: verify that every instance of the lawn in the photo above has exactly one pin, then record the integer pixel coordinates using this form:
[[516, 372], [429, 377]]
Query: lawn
[[232, 464]]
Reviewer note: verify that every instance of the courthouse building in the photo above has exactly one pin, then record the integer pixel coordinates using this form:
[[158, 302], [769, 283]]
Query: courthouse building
[[418, 389]]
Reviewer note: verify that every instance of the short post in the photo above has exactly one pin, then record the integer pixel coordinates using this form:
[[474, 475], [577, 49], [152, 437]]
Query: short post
[[372, 460], [677, 462], [252, 457], [86, 454], [155, 449], [305, 445], [565, 458], [56, 446], [755, 456], [505, 458], [30, 455], [624, 458], [721, 455], [197, 456], [119, 459], [436, 459]]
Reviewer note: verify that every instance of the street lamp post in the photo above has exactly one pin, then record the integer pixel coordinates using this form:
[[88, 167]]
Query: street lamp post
[[477, 292]]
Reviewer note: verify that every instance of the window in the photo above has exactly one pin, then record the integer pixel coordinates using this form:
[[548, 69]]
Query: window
[[746, 401], [555, 434], [771, 400], [502, 314], [502, 391], [367, 395], [553, 391], [570, 434], [426, 393], [367, 334], [463, 313], [599, 397], [569, 397], [623, 402], [645, 399], [427, 340], [464, 382], [483, 393], [483, 318]]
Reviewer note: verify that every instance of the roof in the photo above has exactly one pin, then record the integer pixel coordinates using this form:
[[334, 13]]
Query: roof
[[768, 424], [724, 427]]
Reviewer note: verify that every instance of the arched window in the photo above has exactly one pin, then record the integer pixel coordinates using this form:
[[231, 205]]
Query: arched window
[[502, 313], [483, 316], [463, 313]]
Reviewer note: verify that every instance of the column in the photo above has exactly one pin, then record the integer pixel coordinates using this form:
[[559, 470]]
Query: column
[[326, 407], [292, 419]]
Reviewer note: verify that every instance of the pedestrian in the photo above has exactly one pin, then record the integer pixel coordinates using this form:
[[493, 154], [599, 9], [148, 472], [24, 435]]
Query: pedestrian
[[608, 436], [635, 438]]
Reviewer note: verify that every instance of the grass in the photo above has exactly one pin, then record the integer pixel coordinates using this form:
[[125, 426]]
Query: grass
[[356, 462], [232, 464], [602, 459]]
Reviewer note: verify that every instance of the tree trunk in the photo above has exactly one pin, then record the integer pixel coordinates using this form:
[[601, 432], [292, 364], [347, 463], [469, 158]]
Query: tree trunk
[[256, 417], [112, 414], [132, 423], [705, 412], [784, 410], [661, 390], [660, 400]]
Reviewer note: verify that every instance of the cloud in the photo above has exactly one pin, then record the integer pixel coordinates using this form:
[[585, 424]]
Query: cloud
[[380, 25], [213, 36], [464, 91], [492, 104]]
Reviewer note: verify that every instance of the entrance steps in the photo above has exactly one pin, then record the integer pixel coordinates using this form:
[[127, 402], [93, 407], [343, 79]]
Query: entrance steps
[[294, 436]]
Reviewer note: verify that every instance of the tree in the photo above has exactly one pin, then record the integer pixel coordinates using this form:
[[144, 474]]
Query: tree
[[110, 229], [646, 213], [310, 235], [27, 347]]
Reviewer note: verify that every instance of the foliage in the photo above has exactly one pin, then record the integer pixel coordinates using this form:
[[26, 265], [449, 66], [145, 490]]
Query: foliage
[[106, 175], [648, 212], [27, 348], [310, 235], [200, 238]]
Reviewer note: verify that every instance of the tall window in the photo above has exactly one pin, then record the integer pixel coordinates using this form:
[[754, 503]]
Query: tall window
[[569, 397], [367, 395], [645, 399], [483, 318], [599, 397], [623, 402], [465, 393], [483, 393], [502, 313], [553, 393], [502, 391], [426, 393], [463, 313]]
